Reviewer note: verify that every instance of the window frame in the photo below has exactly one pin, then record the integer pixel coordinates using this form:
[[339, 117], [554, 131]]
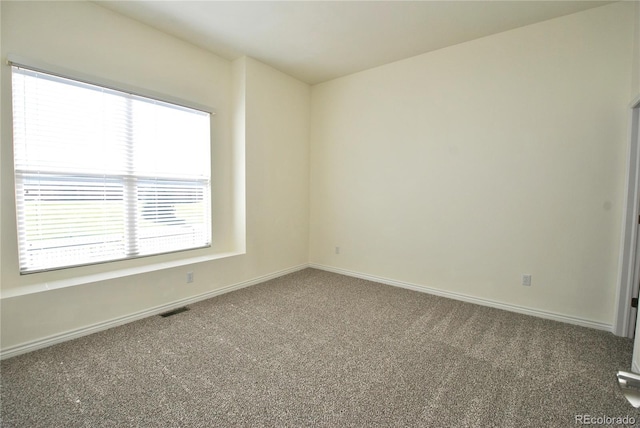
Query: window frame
[[195, 253]]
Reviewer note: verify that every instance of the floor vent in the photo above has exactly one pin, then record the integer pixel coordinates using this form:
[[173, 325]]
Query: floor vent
[[174, 312]]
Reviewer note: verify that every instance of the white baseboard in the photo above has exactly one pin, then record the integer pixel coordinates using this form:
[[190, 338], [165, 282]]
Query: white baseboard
[[94, 328], [470, 299]]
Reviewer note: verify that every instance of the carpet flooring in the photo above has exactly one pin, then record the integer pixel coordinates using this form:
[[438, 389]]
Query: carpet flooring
[[314, 348]]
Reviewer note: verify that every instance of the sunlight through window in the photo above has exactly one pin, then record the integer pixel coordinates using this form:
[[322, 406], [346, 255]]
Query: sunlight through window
[[105, 175]]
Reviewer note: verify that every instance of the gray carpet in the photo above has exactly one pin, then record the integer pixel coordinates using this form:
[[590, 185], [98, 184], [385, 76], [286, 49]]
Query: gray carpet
[[319, 349]]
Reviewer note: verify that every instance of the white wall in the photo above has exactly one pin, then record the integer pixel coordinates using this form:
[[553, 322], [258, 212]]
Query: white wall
[[464, 168], [89, 39], [636, 90]]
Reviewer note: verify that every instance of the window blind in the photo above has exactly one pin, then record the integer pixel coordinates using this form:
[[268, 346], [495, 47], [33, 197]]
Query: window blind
[[105, 175]]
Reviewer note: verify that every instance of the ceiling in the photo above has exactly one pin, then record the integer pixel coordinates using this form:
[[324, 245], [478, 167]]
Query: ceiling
[[316, 41]]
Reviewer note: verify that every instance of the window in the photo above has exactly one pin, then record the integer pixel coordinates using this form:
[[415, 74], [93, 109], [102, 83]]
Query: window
[[105, 175]]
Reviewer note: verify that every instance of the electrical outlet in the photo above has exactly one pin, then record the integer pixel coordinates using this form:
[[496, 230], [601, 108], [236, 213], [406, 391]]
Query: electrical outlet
[[526, 280], [189, 277], [337, 250]]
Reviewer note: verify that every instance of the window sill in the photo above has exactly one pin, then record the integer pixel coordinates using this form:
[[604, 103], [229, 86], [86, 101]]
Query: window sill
[[104, 276]]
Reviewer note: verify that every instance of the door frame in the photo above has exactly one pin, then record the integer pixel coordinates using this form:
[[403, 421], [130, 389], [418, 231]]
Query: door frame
[[624, 318]]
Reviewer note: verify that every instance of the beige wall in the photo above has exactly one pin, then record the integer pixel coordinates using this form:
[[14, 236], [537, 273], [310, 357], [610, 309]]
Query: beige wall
[[277, 114], [464, 168], [89, 39]]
